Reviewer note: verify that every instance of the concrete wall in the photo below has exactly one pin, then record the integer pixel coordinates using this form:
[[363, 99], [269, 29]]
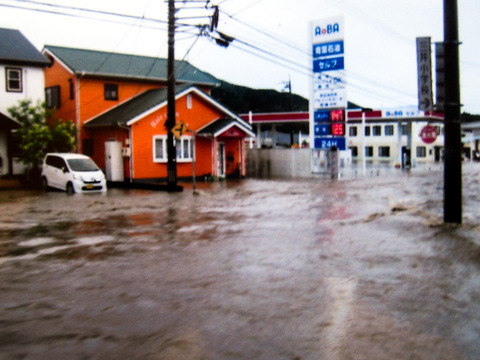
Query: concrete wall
[[279, 163]]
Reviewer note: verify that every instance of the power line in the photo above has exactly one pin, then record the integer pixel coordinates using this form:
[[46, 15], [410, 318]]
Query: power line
[[258, 51]]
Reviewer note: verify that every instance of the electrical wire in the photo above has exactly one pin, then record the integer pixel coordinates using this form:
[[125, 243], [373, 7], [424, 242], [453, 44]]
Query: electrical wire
[[256, 50]]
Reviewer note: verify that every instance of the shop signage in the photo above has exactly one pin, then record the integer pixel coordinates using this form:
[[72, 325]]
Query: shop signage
[[326, 143], [424, 70], [329, 98], [428, 134]]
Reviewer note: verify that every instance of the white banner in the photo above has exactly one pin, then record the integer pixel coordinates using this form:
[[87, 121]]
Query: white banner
[[424, 69]]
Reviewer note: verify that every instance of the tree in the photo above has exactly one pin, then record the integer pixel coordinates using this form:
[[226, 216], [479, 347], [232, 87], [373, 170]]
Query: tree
[[35, 137]]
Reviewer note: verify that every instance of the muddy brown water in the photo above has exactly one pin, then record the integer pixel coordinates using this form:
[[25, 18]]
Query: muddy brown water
[[251, 269]]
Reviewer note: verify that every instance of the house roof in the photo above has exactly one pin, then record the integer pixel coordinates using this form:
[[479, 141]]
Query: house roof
[[138, 107], [6, 123], [133, 108], [101, 63], [17, 50], [221, 125]]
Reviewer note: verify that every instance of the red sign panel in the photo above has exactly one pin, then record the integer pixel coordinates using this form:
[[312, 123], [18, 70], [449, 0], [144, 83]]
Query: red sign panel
[[337, 115], [428, 134], [338, 129]]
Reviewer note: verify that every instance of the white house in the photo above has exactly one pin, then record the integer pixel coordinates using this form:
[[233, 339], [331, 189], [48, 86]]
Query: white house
[[21, 78]]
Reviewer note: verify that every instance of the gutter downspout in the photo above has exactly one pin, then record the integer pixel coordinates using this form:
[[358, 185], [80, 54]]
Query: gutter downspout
[[77, 112]]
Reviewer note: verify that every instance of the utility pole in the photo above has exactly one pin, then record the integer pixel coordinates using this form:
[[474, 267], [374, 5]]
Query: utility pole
[[452, 107], [170, 123]]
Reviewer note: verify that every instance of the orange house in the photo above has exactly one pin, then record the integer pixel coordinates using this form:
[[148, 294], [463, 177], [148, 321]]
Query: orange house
[[215, 137], [118, 103]]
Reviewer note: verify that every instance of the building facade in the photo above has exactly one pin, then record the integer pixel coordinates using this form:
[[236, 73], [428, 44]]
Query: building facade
[[377, 135], [118, 103], [21, 78]]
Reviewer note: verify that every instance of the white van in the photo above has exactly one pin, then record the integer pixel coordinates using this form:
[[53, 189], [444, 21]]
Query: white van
[[73, 173]]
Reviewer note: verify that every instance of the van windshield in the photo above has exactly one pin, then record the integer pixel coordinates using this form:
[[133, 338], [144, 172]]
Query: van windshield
[[82, 165]]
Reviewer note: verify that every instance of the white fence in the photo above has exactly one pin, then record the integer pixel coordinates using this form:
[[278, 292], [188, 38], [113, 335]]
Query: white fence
[[279, 163]]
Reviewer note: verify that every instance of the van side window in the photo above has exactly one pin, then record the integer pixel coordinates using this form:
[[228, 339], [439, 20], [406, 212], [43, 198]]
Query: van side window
[[63, 165], [53, 161], [57, 162]]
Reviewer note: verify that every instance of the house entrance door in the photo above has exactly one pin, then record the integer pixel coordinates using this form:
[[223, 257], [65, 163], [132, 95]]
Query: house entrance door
[[221, 159]]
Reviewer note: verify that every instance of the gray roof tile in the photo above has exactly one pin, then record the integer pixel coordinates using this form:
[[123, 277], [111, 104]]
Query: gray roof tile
[[16, 49], [100, 63]]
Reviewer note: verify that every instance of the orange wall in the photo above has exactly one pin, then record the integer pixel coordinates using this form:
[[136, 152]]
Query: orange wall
[[102, 135], [89, 102], [57, 75], [143, 132]]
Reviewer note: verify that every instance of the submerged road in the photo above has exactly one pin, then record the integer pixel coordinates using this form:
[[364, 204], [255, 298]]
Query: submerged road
[[254, 269]]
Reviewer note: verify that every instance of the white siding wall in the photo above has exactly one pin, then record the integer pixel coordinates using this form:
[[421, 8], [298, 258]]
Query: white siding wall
[[33, 87], [391, 141]]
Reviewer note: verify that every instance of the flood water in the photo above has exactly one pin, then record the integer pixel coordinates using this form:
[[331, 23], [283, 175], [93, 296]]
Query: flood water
[[255, 269]]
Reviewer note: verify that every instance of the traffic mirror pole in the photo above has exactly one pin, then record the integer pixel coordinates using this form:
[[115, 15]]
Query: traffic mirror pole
[[452, 108]]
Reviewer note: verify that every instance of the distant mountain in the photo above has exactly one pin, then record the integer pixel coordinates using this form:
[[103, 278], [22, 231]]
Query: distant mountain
[[242, 99], [466, 117]]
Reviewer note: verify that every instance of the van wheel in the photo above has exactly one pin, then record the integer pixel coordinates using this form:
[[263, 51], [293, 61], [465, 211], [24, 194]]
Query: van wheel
[[44, 184], [70, 189]]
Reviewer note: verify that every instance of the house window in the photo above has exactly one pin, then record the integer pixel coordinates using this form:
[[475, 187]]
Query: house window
[[189, 101], [184, 149], [352, 131], [111, 92], [14, 79], [384, 151], [421, 151], [377, 130], [52, 97], [388, 130], [368, 151], [367, 130], [71, 89], [159, 148], [354, 150]]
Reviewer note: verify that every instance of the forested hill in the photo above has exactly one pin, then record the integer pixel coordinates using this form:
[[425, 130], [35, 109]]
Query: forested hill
[[241, 99]]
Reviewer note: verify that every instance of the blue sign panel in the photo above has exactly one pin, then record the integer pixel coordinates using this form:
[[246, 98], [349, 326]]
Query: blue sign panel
[[328, 49], [321, 129], [328, 142], [336, 63], [321, 115]]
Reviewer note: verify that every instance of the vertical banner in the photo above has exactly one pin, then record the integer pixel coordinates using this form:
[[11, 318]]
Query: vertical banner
[[328, 93], [424, 70]]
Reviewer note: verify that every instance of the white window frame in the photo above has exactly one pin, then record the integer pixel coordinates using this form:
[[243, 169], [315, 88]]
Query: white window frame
[[389, 130], [352, 131], [384, 151], [421, 152], [184, 149], [19, 71], [163, 139]]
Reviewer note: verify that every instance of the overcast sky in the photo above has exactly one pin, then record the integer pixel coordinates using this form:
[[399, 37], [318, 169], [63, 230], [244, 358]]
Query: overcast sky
[[273, 43]]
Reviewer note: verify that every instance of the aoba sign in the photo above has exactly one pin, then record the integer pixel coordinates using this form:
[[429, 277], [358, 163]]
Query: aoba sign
[[327, 29]]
